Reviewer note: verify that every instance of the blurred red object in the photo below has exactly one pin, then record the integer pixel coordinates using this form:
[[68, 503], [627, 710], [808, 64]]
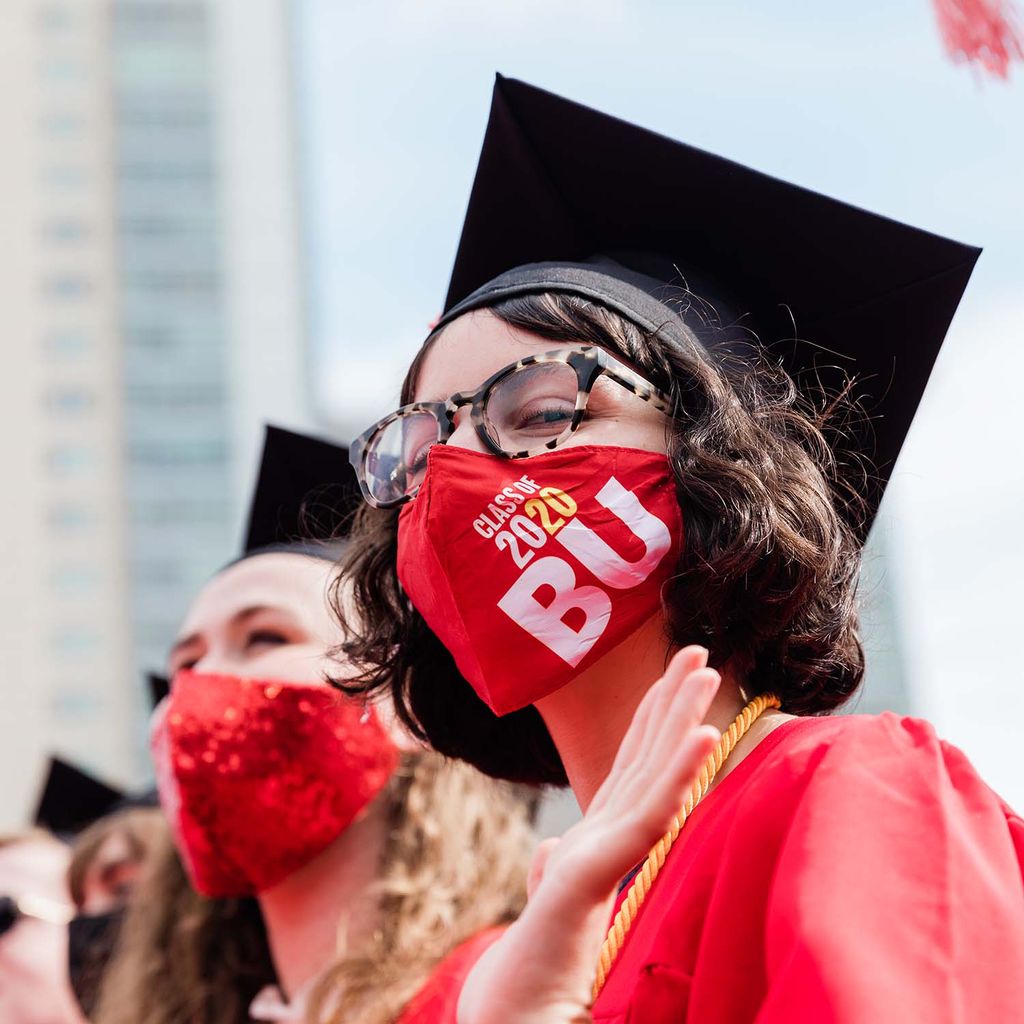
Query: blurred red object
[[981, 31]]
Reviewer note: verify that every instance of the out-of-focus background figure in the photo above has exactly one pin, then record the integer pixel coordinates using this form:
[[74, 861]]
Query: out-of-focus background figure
[[208, 220], [63, 885], [108, 860], [34, 911]]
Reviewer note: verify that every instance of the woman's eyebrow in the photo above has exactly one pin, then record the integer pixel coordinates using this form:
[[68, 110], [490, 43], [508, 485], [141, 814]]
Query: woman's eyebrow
[[253, 610], [429, 400], [239, 618], [183, 642]]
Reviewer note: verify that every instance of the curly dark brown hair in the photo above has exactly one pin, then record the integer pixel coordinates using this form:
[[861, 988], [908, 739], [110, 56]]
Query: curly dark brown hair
[[768, 572]]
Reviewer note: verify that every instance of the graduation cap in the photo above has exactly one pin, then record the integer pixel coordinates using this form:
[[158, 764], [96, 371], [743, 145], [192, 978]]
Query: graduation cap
[[305, 496], [158, 686], [72, 799], [568, 199]]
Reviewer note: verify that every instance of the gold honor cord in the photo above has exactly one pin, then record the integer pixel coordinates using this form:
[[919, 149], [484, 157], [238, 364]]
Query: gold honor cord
[[645, 877]]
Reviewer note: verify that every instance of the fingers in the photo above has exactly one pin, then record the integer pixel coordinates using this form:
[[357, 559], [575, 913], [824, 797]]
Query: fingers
[[669, 788], [648, 719], [673, 786], [537, 865], [687, 709], [624, 841], [681, 666], [647, 798], [656, 770]]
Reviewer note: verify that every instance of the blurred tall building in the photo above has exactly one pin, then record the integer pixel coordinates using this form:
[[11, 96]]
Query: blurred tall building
[[151, 317], [171, 311], [210, 300], [64, 648]]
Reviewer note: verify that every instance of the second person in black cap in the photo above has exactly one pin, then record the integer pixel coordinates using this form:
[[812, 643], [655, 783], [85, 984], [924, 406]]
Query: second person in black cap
[[369, 871]]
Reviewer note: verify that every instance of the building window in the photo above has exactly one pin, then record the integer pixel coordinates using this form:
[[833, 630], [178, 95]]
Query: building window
[[65, 176], [66, 342], [158, 574], [154, 18], [62, 70], [172, 512], [175, 397], [66, 229], [75, 580], [194, 282], [178, 453], [58, 17], [66, 460], [66, 287], [196, 173], [71, 517], [74, 641], [62, 124], [73, 702], [145, 118], [151, 336], [156, 635], [70, 401]]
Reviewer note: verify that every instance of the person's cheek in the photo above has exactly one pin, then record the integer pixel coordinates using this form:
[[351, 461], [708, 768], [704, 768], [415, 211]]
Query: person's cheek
[[627, 432], [297, 663], [616, 417]]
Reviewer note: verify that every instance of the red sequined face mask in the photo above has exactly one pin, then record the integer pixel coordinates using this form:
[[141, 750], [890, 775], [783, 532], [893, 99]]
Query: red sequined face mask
[[531, 570], [257, 777]]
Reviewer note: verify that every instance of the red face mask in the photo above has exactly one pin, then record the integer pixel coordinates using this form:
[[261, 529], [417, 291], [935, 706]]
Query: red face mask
[[257, 777], [531, 570]]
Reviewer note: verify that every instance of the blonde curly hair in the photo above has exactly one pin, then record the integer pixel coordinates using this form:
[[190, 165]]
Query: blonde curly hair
[[454, 863], [182, 958]]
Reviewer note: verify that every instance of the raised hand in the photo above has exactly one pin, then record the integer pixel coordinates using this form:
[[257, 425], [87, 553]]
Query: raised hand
[[541, 971]]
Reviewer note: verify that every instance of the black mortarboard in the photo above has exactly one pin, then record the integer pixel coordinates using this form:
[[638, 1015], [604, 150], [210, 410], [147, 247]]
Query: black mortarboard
[[570, 199], [73, 799], [305, 496], [157, 686]]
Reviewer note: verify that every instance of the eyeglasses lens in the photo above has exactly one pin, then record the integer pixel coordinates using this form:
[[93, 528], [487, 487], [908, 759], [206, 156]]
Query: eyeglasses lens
[[396, 458], [531, 406]]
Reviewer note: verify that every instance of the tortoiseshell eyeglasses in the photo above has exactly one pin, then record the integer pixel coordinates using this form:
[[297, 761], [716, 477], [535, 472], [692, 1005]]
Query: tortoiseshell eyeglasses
[[524, 409]]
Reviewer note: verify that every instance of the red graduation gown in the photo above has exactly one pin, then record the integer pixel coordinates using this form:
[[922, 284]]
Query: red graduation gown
[[438, 1000], [850, 869]]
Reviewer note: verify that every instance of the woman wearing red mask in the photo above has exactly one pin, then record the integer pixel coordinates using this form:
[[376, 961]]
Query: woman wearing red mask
[[359, 847], [616, 541]]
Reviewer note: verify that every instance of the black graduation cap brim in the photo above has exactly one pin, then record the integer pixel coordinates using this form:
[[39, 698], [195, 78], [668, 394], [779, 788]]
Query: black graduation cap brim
[[305, 496], [157, 687], [832, 290], [72, 799]]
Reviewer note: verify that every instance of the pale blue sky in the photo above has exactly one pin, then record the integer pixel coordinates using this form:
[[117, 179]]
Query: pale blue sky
[[856, 100], [862, 104]]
